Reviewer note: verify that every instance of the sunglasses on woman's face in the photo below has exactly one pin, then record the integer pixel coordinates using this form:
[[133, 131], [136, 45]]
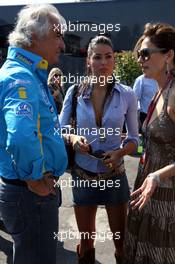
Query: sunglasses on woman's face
[[57, 76], [145, 54]]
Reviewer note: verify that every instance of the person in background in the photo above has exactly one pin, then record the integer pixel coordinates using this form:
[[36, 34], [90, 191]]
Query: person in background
[[32, 151], [102, 106], [145, 90], [56, 88], [150, 236]]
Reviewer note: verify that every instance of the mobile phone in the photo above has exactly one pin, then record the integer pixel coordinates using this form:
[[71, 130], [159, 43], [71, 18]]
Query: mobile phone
[[98, 154]]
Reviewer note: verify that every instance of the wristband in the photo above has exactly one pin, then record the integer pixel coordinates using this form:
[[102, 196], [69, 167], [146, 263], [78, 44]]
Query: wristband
[[155, 177]]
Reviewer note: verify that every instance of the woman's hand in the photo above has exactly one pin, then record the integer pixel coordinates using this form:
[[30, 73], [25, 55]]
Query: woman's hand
[[144, 193], [55, 93], [113, 158], [79, 143]]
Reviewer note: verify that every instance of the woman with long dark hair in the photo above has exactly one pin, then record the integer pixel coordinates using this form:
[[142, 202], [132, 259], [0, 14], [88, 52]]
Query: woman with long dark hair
[[102, 107]]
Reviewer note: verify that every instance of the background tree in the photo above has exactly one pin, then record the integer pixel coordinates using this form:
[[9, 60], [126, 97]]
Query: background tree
[[127, 68]]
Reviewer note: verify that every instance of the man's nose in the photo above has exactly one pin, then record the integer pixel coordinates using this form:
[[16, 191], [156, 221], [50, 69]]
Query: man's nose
[[103, 61]]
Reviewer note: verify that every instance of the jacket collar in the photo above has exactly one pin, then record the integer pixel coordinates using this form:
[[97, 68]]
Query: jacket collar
[[87, 93], [27, 58]]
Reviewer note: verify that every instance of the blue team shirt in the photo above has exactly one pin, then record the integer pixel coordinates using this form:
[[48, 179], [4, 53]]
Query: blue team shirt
[[29, 140], [120, 106]]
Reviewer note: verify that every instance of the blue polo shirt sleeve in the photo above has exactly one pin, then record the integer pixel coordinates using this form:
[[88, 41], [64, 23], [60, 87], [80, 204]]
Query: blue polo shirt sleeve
[[137, 88], [21, 108]]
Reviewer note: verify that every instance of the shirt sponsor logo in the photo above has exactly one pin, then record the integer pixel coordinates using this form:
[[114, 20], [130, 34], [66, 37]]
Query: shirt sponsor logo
[[22, 93], [24, 59], [24, 109], [18, 82]]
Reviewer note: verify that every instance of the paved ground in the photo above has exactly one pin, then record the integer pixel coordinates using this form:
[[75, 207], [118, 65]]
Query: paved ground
[[66, 248]]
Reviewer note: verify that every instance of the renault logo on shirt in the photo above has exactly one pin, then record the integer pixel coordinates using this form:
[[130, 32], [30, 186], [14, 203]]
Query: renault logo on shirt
[[22, 93]]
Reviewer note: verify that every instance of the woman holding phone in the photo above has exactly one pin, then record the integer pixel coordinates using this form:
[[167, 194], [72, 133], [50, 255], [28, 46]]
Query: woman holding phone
[[102, 107]]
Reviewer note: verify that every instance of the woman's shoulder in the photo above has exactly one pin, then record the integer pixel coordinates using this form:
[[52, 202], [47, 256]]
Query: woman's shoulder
[[124, 89], [70, 89]]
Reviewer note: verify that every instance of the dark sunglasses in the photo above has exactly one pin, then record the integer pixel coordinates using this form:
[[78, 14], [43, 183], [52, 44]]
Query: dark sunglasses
[[145, 54], [57, 75]]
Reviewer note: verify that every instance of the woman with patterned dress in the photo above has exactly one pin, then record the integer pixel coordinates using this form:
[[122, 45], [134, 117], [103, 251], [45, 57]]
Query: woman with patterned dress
[[150, 236]]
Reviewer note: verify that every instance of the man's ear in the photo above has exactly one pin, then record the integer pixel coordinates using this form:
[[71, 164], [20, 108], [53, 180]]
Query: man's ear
[[34, 40]]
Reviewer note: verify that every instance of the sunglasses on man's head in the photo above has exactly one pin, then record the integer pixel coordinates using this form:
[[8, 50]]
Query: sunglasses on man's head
[[145, 54]]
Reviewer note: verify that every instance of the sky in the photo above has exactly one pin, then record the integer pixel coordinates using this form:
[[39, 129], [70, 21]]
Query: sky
[[25, 2]]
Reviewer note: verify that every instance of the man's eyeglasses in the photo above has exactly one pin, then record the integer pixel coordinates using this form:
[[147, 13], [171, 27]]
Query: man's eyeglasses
[[145, 54]]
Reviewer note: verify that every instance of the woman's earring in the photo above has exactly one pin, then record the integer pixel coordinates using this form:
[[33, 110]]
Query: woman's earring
[[88, 69], [167, 68]]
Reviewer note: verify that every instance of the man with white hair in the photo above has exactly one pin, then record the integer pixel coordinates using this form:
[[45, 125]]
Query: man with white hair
[[32, 155]]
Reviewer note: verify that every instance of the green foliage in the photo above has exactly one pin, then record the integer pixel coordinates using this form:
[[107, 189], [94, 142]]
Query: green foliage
[[127, 69]]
